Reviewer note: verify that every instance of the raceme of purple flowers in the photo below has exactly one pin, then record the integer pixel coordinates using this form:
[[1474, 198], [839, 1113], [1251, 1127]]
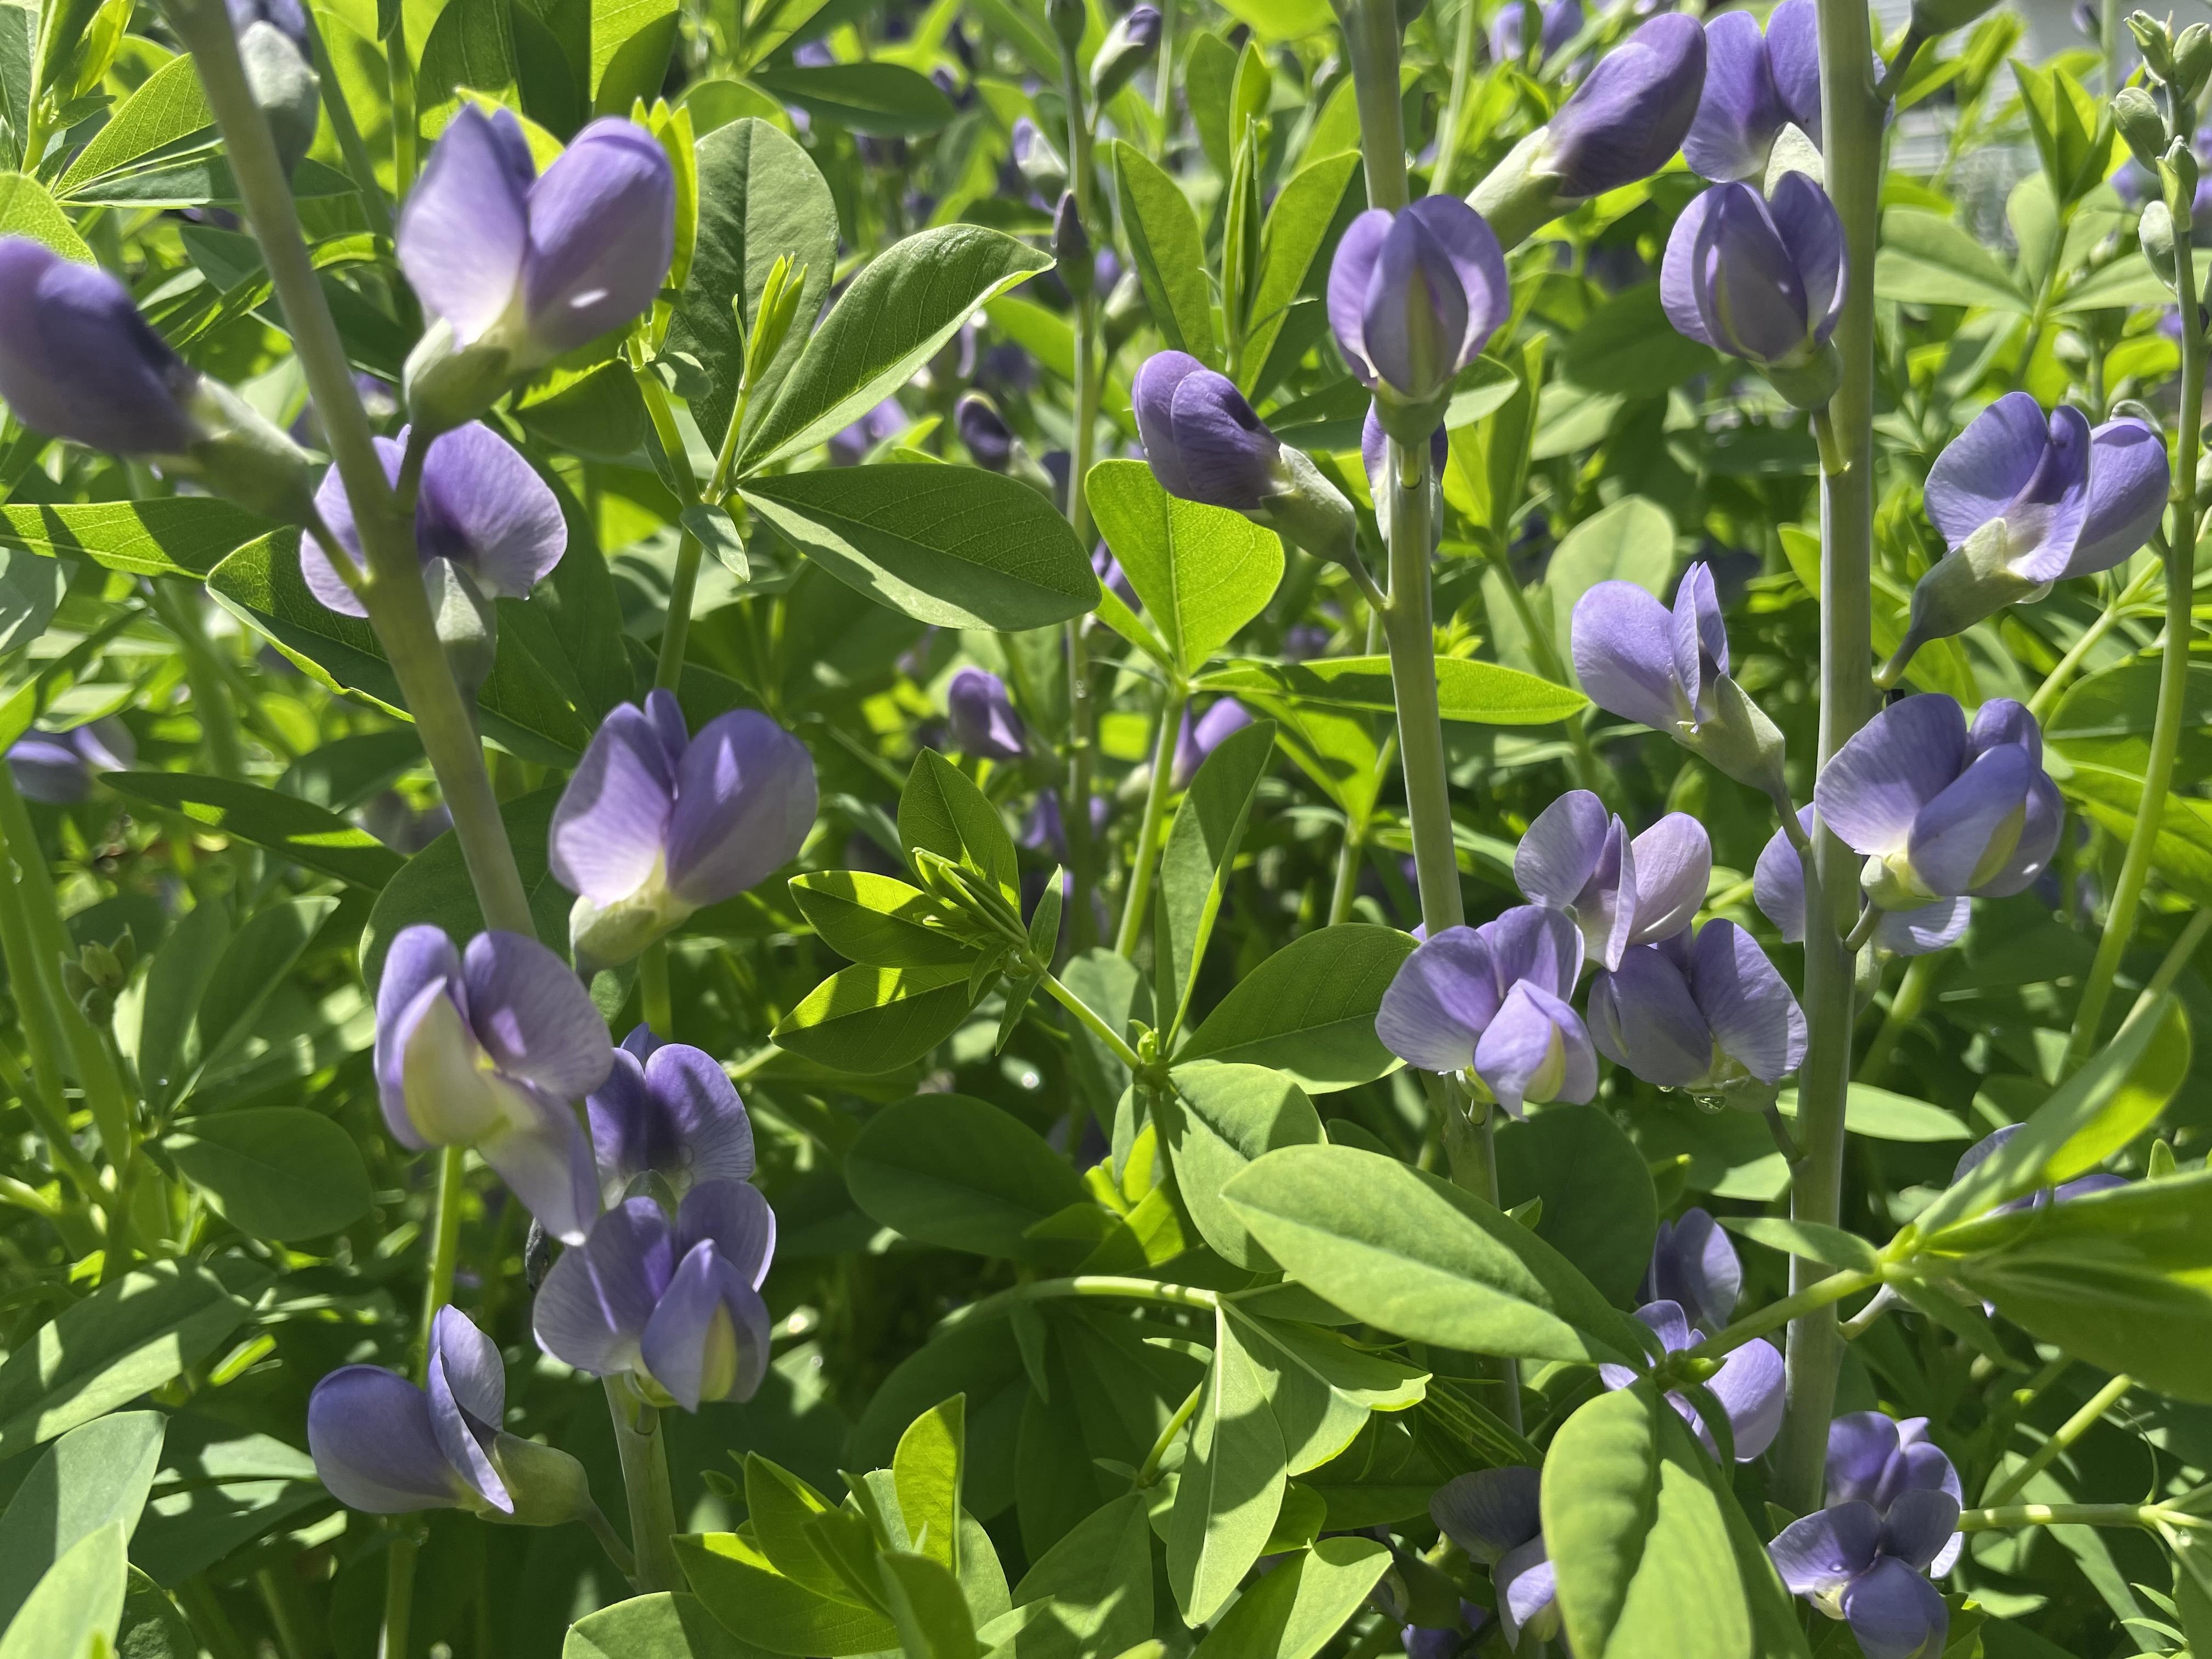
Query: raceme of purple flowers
[[1756, 83], [1620, 892], [482, 507], [1413, 296], [538, 265], [658, 821], [1891, 1521]]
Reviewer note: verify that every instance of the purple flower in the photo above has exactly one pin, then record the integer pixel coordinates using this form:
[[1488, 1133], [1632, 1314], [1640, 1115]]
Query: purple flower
[[1042, 831], [77, 361], [1747, 1387], [989, 442], [2022, 501], [1761, 280], [538, 266], [1494, 998], [1133, 42], [884, 421], [1577, 858], [1197, 738], [1708, 1014], [1495, 1515], [1694, 1267], [1755, 84], [483, 508], [286, 16], [1201, 437], [56, 769], [983, 718], [2079, 1187], [1626, 120], [676, 1305], [1108, 569], [1671, 673], [1562, 20], [670, 1110], [488, 1048], [1940, 809], [1413, 296], [656, 824], [1778, 885], [1892, 1518]]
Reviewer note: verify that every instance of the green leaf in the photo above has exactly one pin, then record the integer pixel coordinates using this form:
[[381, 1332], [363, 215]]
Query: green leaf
[[737, 1584], [1297, 224], [909, 301], [1309, 1010], [1879, 1115], [2097, 1111], [26, 210], [665, 1626], [170, 536], [95, 1476], [1831, 1246], [19, 28], [308, 835], [1202, 572], [881, 101], [631, 40], [1484, 693], [258, 959], [133, 1334], [1627, 345], [1925, 259], [167, 108], [1638, 1540], [74, 1612], [1293, 1612], [1319, 1387], [1403, 1250], [865, 1021], [950, 1171], [31, 591], [927, 1471], [928, 1606], [1200, 852], [469, 48], [279, 1172], [1231, 1483], [1214, 1120], [952, 545], [1170, 257], [1109, 984], [778, 1507], [1600, 1211], [2072, 135], [878, 920], [760, 198], [2121, 1277], [435, 886], [941, 810], [1090, 1594]]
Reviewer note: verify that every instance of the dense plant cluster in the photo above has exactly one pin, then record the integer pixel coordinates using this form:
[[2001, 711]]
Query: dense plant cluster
[[844, 828]]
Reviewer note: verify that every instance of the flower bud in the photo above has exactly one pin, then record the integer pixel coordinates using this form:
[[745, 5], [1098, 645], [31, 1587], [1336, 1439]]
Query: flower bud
[[2136, 115], [2192, 60], [989, 441], [1762, 281], [1133, 42], [1412, 297], [984, 723], [1042, 166], [2154, 40], [284, 88], [2156, 227], [1067, 18], [1071, 248], [549, 1488]]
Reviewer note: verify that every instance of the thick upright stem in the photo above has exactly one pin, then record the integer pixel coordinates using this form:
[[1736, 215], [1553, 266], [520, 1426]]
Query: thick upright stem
[[644, 1451], [1470, 31], [1371, 34], [2173, 666], [1853, 152], [398, 605], [1173, 700], [399, 65], [1082, 716]]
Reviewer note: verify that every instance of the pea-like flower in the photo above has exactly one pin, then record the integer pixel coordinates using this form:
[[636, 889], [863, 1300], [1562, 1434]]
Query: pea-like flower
[[982, 717], [1892, 1520], [1747, 1387], [1695, 1266], [1942, 810], [1778, 884], [1756, 83], [1558, 23], [667, 1110], [483, 509], [2023, 502], [519, 269], [657, 823], [1493, 1000], [2081, 1186], [1197, 738], [676, 1305], [1577, 858], [1204, 443], [1413, 296], [387, 1447], [1708, 1013], [488, 1048], [1671, 673], [1495, 1516], [56, 769], [1763, 280], [984, 431], [1132, 43], [77, 361]]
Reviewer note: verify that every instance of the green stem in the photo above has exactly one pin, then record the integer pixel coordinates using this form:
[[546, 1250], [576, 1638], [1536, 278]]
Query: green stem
[[1346, 888], [1149, 1471], [1822, 1293], [1853, 150], [2092, 1412], [2173, 667], [42, 1091], [1082, 1284], [1174, 699], [359, 165], [398, 603], [445, 1246], [406, 140], [115, 1252], [1905, 1007], [2077, 1515], [179, 613], [1470, 31], [610, 1542], [1370, 38], [1163, 83], [644, 1451], [398, 1593], [2062, 675], [1083, 1011]]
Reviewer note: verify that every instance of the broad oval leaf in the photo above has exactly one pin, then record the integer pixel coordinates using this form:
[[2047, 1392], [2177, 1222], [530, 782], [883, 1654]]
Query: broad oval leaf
[[883, 101], [309, 836], [736, 1584], [92, 1477], [1231, 1484], [1599, 1209], [1483, 693], [1293, 1612], [878, 920], [74, 1611], [1214, 1120], [863, 1021], [951, 1170], [277, 1172], [663, 1626], [1309, 1010], [1202, 572]]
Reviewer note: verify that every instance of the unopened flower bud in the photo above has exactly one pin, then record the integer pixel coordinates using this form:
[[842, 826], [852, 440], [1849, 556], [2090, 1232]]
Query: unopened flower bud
[[2192, 60], [284, 88], [1412, 297], [2136, 115], [2154, 40], [1763, 280], [2156, 230], [1042, 166], [989, 441], [1133, 42], [1067, 18], [1071, 248], [1125, 311]]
